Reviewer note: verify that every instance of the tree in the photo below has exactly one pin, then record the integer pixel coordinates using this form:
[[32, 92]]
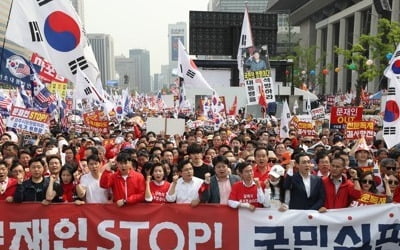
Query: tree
[[305, 62], [369, 55]]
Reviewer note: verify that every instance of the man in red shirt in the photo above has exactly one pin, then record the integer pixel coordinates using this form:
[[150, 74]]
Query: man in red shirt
[[261, 170], [339, 191], [248, 192], [128, 186]]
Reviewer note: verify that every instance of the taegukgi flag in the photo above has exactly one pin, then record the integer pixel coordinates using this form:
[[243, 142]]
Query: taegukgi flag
[[53, 29], [246, 41], [391, 117], [188, 70]]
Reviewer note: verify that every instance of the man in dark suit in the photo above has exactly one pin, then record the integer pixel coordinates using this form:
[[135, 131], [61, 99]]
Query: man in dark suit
[[216, 189], [306, 190]]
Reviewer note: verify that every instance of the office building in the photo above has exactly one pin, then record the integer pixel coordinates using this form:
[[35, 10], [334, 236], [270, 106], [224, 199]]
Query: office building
[[336, 23], [141, 70], [237, 6], [103, 49]]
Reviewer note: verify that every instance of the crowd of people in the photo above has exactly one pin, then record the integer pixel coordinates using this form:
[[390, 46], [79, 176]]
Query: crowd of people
[[242, 165]]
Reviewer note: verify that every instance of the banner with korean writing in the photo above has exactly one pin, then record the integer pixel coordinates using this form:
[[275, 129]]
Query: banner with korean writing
[[305, 129], [175, 226], [96, 121], [106, 226], [318, 113], [28, 120], [369, 199], [47, 72], [255, 83], [356, 130], [330, 102], [342, 115], [367, 227], [58, 87]]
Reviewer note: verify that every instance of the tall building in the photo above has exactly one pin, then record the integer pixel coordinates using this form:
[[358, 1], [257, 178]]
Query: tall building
[[176, 32], [80, 9], [336, 23], [124, 66], [237, 6], [141, 70], [103, 49]]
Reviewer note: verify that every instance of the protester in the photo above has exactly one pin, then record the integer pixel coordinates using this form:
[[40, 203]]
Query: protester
[[275, 195], [339, 191], [34, 189], [393, 182], [306, 190], [127, 185], [68, 185], [186, 188], [89, 187], [7, 185], [216, 189], [248, 192], [196, 156], [156, 185], [262, 167]]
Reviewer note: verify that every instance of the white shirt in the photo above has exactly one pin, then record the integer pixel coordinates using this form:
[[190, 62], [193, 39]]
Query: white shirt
[[94, 193], [185, 192], [307, 184], [225, 188]]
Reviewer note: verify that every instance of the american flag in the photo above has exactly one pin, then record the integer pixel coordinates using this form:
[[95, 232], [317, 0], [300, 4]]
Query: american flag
[[23, 69], [5, 102], [45, 96]]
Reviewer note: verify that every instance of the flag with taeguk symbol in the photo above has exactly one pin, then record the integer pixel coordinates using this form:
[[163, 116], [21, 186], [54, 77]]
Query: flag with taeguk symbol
[[246, 41], [188, 71], [54, 31], [391, 117]]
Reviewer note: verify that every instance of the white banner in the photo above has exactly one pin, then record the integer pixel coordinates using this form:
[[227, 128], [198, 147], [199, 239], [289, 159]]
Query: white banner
[[367, 227], [318, 113]]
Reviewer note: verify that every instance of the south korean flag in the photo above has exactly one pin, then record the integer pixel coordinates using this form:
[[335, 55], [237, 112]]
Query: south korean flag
[[53, 30], [391, 121]]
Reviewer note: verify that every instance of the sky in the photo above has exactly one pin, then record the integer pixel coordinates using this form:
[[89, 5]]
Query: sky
[[139, 24]]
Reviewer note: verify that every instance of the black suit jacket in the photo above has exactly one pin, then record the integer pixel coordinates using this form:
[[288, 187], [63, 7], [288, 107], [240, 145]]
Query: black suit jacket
[[298, 194]]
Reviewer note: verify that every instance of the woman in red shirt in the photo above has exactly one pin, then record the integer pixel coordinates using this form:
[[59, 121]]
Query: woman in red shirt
[[156, 185], [68, 184]]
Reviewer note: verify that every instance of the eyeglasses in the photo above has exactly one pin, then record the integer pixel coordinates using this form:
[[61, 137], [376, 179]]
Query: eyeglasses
[[370, 182], [393, 182], [391, 168], [252, 162]]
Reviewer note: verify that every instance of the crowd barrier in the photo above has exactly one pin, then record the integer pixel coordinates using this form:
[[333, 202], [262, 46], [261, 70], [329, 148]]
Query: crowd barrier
[[173, 226]]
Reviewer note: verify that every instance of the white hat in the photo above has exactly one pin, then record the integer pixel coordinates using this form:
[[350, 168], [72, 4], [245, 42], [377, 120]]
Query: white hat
[[277, 171]]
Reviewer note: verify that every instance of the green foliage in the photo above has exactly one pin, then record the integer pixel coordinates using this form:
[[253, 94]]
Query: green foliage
[[371, 47]]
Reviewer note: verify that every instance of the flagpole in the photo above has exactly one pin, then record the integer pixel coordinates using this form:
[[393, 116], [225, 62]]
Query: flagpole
[[4, 38]]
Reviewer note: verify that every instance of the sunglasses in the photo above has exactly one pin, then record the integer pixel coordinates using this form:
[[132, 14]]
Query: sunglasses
[[307, 141], [272, 160], [370, 182], [252, 162], [391, 168], [391, 182]]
